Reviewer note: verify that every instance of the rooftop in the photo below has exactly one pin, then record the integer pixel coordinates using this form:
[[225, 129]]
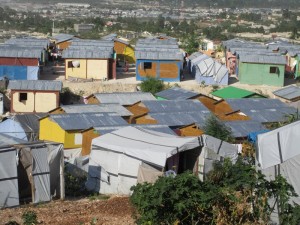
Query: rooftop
[[36, 85]]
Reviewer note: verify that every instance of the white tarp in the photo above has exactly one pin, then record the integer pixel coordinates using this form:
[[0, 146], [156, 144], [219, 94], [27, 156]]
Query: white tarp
[[278, 153], [116, 157], [149, 146], [277, 146]]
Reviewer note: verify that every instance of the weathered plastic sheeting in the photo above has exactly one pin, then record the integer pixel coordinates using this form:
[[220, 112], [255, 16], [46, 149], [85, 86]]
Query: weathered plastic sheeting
[[14, 72], [41, 175], [9, 191], [32, 72], [36, 165], [13, 129]]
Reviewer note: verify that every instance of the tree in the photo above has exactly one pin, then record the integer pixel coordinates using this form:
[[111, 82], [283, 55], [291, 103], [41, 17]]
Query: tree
[[191, 44], [217, 129], [152, 85]]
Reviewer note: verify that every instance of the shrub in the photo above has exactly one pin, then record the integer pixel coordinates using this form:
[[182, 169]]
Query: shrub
[[152, 85], [29, 218], [68, 97], [217, 129], [75, 185], [231, 194]]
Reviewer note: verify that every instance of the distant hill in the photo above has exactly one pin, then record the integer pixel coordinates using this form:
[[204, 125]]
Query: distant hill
[[203, 3]]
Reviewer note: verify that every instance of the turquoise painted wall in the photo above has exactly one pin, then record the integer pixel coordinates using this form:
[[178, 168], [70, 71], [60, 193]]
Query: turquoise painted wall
[[251, 73]]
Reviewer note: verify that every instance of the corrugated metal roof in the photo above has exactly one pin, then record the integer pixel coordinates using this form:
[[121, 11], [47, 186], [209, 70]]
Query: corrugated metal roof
[[180, 118], [270, 115], [82, 108], [176, 93], [160, 128], [81, 121], [262, 109], [265, 59], [161, 54], [241, 129], [9, 140], [20, 52], [233, 43], [90, 47], [37, 85], [99, 43], [29, 42], [159, 49], [156, 42], [232, 92], [289, 93], [86, 54], [124, 98], [62, 37], [255, 103], [172, 106]]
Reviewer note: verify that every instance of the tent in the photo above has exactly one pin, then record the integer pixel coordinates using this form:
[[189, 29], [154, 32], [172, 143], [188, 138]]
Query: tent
[[31, 171], [206, 69], [278, 153], [121, 158]]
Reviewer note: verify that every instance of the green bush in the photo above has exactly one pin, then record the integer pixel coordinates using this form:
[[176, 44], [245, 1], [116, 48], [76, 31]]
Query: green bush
[[231, 194], [29, 218], [69, 97], [152, 85], [75, 185], [216, 128]]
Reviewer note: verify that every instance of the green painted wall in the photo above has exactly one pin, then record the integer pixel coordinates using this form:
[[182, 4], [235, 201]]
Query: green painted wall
[[297, 73], [251, 73]]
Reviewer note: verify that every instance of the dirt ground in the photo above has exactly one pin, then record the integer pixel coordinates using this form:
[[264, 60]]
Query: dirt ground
[[126, 82], [114, 211]]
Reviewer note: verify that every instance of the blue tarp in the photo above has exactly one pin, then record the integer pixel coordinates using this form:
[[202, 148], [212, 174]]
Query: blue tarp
[[14, 72], [252, 137], [32, 72], [19, 72]]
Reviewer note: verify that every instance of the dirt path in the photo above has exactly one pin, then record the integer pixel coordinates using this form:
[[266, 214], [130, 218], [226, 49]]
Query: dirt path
[[114, 211]]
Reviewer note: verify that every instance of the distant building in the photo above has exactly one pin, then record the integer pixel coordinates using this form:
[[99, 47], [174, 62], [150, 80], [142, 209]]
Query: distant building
[[82, 28]]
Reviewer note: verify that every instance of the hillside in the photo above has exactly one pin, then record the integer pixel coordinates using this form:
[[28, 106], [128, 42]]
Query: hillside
[[194, 3]]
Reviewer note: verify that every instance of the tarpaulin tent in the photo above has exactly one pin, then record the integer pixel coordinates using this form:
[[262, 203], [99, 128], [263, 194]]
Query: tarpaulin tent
[[31, 171], [120, 158], [278, 153]]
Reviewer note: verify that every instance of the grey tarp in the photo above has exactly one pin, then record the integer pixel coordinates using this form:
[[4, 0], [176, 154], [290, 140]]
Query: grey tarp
[[9, 192], [38, 167], [214, 150]]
